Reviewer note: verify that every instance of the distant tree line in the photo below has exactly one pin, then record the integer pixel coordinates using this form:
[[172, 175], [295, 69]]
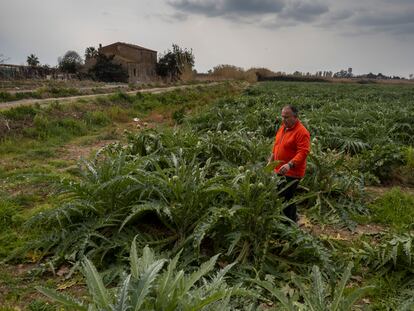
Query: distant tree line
[[326, 75], [175, 64]]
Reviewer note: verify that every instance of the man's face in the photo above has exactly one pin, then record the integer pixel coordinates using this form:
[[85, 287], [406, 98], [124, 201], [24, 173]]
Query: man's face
[[288, 118]]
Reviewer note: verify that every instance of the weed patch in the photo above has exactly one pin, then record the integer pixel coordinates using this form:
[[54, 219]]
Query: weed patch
[[394, 208]]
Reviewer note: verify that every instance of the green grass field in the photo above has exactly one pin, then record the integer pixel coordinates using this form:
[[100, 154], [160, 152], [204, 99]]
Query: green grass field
[[179, 211]]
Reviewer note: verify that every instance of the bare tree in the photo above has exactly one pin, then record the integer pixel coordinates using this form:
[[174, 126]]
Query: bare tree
[[3, 59]]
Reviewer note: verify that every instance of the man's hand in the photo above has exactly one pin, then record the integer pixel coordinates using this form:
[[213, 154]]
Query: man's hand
[[284, 169]]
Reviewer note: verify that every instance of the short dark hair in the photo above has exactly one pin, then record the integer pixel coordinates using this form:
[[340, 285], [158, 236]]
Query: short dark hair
[[293, 108]]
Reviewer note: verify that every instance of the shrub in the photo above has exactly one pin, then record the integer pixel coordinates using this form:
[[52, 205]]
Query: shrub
[[382, 161], [6, 96], [178, 115], [44, 128], [107, 71], [20, 113]]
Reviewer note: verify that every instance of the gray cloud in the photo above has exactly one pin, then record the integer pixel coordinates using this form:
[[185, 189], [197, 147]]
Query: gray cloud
[[249, 7], [387, 18], [341, 15], [207, 8], [394, 20], [170, 18], [265, 13], [354, 16], [304, 11], [228, 7]]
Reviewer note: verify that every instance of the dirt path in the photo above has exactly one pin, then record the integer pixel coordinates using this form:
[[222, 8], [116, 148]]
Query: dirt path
[[340, 233], [28, 102]]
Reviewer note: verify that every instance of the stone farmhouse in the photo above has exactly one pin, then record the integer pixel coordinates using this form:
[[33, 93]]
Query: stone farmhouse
[[139, 62]]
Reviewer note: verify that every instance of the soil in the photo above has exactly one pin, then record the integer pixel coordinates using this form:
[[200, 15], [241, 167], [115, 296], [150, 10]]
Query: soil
[[155, 118], [333, 232], [75, 152], [340, 233], [23, 288]]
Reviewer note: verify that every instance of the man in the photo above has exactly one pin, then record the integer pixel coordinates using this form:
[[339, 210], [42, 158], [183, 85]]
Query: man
[[291, 147]]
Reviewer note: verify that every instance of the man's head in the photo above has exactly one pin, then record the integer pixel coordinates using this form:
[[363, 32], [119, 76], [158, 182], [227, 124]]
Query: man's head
[[289, 115]]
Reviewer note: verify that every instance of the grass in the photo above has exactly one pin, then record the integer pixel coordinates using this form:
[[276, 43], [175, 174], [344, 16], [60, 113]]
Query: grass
[[409, 155], [76, 119], [395, 208], [44, 92], [47, 89], [17, 289]]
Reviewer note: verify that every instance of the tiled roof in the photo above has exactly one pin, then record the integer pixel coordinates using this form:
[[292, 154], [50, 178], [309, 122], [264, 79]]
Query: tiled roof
[[134, 46]]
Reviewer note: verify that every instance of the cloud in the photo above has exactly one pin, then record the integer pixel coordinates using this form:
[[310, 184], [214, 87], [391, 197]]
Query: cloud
[[168, 18], [264, 13], [393, 20], [352, 16], [304, 11], [213, 8]]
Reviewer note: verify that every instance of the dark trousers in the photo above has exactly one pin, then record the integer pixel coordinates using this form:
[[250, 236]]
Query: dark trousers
[[288, 194]]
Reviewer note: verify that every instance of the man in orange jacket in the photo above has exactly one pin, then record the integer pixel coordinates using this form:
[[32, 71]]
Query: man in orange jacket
[[291, 147]]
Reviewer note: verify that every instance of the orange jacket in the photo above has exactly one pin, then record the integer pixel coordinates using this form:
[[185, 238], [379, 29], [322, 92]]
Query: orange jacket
[[292, 145]]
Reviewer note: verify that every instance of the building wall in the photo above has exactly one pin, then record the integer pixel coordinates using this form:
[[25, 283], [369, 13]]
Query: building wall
[[12, 72], [139, 63]]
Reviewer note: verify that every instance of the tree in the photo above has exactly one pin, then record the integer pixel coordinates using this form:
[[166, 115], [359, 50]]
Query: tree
[[107, 71], [33, 60], [174, 63], [3, 58], [71, 62], [91, 52], [343, 74]]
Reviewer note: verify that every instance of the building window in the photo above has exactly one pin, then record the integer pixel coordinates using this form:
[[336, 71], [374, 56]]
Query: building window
[[135, 72]]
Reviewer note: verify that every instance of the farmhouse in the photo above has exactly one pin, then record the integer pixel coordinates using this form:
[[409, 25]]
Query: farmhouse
[[138, 61]]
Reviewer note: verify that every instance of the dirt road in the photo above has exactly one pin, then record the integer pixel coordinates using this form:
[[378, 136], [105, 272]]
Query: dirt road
[[28, 102]]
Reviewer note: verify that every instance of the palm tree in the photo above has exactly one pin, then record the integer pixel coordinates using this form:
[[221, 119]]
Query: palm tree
[[90, 52], [33, 60]]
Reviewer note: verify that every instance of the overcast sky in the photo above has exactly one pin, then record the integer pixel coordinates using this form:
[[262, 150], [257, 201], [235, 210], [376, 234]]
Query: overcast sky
[[282, 35]]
